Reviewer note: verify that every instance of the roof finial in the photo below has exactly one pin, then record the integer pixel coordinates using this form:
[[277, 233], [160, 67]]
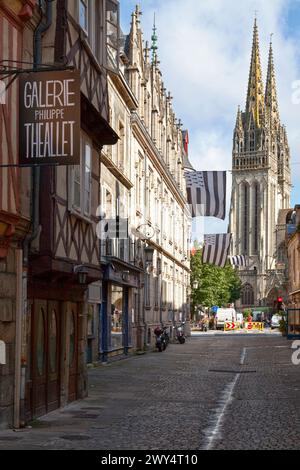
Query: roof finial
[[138, 13], [154, 43]]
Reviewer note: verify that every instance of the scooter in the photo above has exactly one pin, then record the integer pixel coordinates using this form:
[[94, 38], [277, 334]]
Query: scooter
[[180, 333], [162, 338]]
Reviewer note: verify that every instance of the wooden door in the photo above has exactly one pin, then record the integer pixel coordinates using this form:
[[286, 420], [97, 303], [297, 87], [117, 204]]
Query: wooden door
[[39, 361], [53, 356], [73, 350]]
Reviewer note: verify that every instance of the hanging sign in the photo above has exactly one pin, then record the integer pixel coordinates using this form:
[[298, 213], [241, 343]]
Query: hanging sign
[[50, 118]]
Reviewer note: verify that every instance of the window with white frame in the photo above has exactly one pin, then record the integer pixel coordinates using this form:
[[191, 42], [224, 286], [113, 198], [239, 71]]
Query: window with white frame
[[81, 179]]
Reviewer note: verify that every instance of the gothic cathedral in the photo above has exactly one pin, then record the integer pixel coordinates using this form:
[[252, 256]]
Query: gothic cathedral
[[261, 180]]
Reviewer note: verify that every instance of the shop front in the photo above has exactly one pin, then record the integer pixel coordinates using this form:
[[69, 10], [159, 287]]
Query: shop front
[[118, 319]]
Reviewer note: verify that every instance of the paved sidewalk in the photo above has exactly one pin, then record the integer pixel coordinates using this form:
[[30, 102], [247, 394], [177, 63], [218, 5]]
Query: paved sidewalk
[[215, 392]]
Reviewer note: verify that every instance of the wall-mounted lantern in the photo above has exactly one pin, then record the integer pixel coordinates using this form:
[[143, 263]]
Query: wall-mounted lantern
[[149, 252], [82, 272]]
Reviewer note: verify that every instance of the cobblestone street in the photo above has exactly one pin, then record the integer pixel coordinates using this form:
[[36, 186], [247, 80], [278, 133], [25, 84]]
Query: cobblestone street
[[233, 392]]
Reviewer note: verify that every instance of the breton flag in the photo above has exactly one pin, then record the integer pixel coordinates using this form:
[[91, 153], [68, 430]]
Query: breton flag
[[216, 248], [206, 193], [238, 260]]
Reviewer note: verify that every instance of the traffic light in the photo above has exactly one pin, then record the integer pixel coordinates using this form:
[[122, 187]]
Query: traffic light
[[280, 303]]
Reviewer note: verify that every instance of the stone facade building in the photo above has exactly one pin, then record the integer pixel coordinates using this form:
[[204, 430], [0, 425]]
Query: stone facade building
[[261, 181], [142, 181]]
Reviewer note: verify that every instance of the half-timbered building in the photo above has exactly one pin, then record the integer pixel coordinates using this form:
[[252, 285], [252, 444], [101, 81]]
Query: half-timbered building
[[64, 255], [15, 26]]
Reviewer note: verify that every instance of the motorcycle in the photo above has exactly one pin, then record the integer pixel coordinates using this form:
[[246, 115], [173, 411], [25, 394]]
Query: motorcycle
[[162, 338], [180, 333]]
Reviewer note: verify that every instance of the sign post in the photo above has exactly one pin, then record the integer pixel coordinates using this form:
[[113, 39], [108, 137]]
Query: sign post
[[49, 128]]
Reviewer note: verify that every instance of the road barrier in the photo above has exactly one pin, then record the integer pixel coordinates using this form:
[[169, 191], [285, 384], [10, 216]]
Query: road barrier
[[255, 325], [230, 326], [249, 326]]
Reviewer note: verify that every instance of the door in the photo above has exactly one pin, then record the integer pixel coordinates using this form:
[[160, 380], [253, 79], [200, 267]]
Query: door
[[39, 362], [53, 350], [45, 362], [73, 350]]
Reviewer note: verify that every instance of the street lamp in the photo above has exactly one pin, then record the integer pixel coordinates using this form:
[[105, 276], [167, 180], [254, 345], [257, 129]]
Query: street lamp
[[149, 251], [82, 272], [195, 285]]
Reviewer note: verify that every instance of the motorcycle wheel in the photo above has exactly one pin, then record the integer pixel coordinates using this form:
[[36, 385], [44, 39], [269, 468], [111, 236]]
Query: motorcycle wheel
[[164, 346], [159, 347], [181, 340]]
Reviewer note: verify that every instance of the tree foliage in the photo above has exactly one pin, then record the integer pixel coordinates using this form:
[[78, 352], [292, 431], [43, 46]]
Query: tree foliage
[[216, 286]]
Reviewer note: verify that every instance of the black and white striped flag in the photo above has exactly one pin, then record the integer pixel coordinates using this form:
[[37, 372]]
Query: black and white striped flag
[[216, 248], [206, 193], [238, 260]]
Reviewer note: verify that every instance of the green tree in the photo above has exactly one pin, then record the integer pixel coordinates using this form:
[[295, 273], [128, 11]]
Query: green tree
[[216, 286]]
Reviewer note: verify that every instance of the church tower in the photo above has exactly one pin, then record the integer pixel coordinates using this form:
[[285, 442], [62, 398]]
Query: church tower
[[261, 179]]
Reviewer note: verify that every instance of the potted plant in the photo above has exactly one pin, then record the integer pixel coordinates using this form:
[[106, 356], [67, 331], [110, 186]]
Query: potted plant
[[283, 326]]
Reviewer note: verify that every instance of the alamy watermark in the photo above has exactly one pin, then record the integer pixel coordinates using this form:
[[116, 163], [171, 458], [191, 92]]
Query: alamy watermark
[[2, 92], [296, 92], [296, 354], [2, 353]]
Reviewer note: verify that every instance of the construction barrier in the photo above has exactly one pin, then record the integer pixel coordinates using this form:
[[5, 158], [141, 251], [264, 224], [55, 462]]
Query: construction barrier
[[255, 325], [230, 326], [249, 326]]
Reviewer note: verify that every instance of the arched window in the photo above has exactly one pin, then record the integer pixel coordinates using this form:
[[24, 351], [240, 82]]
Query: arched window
[[256, 206], [246, 218], [252, 141], [247, 295]]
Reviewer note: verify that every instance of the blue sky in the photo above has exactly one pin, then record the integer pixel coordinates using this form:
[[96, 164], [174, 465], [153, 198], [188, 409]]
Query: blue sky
[[204, 50]]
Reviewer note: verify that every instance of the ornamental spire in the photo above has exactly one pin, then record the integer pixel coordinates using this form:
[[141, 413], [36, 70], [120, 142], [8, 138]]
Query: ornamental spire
[[255, 95], [271, 93], [154, 43], [239, 121]]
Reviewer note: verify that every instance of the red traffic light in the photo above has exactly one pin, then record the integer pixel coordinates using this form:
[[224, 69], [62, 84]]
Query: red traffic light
[[279, 299]]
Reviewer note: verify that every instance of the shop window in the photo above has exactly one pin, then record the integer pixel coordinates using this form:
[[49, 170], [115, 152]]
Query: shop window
[[117, 321], [91, 320]]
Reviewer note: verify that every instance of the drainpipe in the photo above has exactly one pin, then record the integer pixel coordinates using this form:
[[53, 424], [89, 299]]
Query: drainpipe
[[42, 27], [20, 372]]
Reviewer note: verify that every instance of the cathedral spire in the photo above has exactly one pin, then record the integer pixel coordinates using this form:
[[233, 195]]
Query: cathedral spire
[[271, 94], [255, 95]]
